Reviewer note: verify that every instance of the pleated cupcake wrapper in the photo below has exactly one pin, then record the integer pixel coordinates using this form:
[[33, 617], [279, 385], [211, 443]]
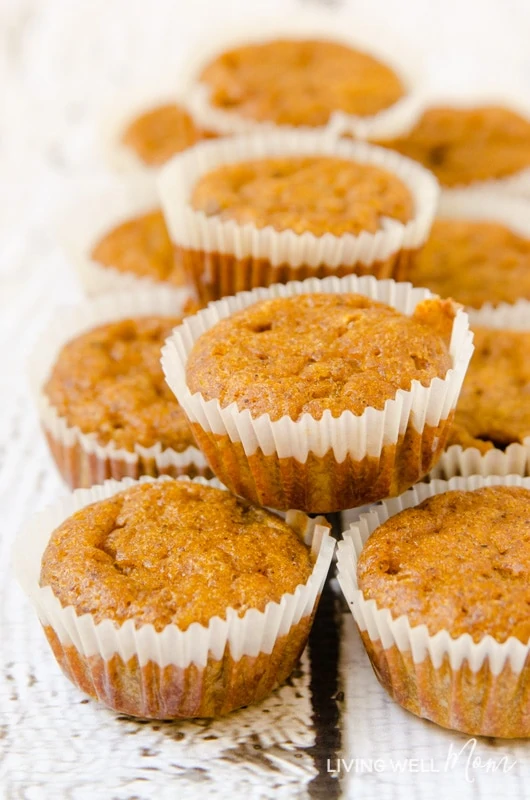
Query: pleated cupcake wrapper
[[158, 91], [253, 633], [194, 230], [515, 460], [378, 622], [101, 208], [79, 455], [387, 122], [357, 436]]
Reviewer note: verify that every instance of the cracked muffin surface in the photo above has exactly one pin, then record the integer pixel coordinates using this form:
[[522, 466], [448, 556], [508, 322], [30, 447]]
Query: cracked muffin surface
[[173, 552], [300, 82], [316, 194], [320, 352], [109, 382], [458, 561]]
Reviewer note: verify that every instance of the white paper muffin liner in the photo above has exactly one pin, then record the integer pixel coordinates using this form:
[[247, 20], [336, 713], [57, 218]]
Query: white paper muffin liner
[[115, 153], [344, 436], [515, 460], [445, 654], [253, 633], [81, 459], [101, 208], [377, 43], [199, 234], [517, 184]]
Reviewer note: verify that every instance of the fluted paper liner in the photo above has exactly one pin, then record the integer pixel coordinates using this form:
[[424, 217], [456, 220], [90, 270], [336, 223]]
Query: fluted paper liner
[[103, 207], [390, 121], [262, 256], [101, 646], [451, 681], [81, 459], [346, 436], [515, 459]]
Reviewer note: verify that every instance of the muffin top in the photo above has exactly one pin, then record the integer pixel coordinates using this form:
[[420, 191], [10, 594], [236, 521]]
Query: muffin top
[[494, 405], [142, 247], [173, 553], [315, 352], [463, 145], [476, 262], [459, 561], [109, 382], [300, 82], [319, 194], [159, 133]]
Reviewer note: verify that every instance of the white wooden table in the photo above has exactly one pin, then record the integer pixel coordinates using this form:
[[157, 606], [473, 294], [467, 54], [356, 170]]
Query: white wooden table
[[60, 64]]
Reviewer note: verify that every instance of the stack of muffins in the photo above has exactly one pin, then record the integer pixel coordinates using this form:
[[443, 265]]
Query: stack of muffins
[[284, 306]]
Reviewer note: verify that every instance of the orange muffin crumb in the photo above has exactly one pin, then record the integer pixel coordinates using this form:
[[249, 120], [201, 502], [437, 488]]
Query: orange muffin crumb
[[160, 133], [109, 382], [476, 262], [300, 82], [494, 405], [459, 561], [318, 352], [142, 247], [173, 553], [319, 194], [463, 145]]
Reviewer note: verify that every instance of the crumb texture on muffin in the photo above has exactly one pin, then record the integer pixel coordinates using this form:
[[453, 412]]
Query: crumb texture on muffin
[[316, 352], [142, 247], [109, 382], [160, 132], [494, 405], [300, 82], [460, 561], [319, 194], [463, 145], [173, 553], [476, 262]]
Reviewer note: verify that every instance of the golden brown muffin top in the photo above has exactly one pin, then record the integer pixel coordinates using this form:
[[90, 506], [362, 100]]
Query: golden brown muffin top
[[494, 405], [459, 561], [142, 247], [319, 194], [109, 382], [300, 82], [463, 145], [475, 262], [173, 553], [159, 133], [313, 352]]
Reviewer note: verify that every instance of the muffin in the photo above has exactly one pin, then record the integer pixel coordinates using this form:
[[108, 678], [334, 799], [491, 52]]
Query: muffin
[[440, 592], [117, 239], [167, 599], [158, 133], [104, 405], [252, 211], [468, 145], [321, 395], [303, 75]]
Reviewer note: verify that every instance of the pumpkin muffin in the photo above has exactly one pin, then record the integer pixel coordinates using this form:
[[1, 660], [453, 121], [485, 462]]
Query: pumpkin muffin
[[107, 385], [474, 261], [303, 400], [457, 562], [494, 408], [299, 82], [159, 133], [467, 145], [141, 247], [185, 594], [254, 211]]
